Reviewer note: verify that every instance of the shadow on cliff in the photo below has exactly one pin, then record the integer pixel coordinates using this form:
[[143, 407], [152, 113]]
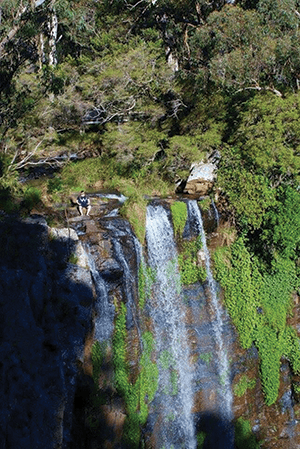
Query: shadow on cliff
[[45, 311], [215, 432], [97, 416]]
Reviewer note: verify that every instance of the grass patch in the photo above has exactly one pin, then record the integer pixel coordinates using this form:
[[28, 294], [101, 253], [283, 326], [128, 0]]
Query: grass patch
[[134, 210]]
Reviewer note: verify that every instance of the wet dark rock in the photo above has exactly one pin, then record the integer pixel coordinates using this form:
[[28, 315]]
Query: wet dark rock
[[46, 311]]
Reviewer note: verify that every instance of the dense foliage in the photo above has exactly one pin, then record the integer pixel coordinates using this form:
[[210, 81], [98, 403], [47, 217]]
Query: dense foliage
[[258, 300]]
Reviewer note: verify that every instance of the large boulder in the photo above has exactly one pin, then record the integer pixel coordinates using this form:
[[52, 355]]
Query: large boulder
[[201, 179]]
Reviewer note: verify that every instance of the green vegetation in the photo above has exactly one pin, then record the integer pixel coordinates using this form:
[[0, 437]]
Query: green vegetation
[[137, 396], [147, 277], [243, 385], [73, 259], [244, 437], [258, 299], [97, 360], [205, 204], [206, 357], [32, 198], [190, 269], [200, 439], [97, 397], [134, 209], [168, 363], [179, 216]]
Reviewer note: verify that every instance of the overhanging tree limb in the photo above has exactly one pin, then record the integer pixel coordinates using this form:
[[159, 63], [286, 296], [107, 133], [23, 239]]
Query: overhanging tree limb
[[259, 88]]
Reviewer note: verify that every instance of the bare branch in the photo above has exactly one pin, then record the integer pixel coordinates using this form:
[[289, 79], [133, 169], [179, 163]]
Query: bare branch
[[25, 160], [134, 6], [297, 13], [259, 88], [14, 30], [105, 113]]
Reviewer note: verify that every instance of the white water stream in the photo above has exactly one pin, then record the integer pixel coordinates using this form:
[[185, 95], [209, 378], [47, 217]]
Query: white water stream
[[174, 399], [218, 320], [104, 324]]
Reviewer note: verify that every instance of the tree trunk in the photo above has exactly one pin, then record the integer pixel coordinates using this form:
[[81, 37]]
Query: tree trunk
[[52, 26]]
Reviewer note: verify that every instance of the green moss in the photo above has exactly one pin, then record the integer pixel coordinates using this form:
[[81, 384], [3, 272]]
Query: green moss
[[200, 439], [179, 217], [190, 270], [206, 357], [119, 350], [244, 437], [147, 277], [205, 204], [97, 360], [73, 259], [137, 396], [166, 359], [174, 382], [243, 384]]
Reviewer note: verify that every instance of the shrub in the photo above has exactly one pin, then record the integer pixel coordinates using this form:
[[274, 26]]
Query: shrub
[[32, 198], [54, 185]]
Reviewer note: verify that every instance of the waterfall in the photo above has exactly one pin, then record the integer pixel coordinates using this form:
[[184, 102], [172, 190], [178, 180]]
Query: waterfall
[[104, 324], [218, 319], [174, 399], [217, 217]]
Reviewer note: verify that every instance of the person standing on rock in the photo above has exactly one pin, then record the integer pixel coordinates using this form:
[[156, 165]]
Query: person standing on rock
[[83, 203]]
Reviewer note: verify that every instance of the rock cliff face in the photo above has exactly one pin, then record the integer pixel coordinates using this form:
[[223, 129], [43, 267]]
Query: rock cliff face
[[46, 311], [60, 290]]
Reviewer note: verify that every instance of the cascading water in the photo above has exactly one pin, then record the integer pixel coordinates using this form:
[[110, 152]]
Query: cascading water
[[104, 323], [217, 218], [174, 399], [217, 321]]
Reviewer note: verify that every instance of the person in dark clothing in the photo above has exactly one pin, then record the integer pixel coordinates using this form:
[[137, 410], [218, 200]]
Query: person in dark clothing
[[83, 203]]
